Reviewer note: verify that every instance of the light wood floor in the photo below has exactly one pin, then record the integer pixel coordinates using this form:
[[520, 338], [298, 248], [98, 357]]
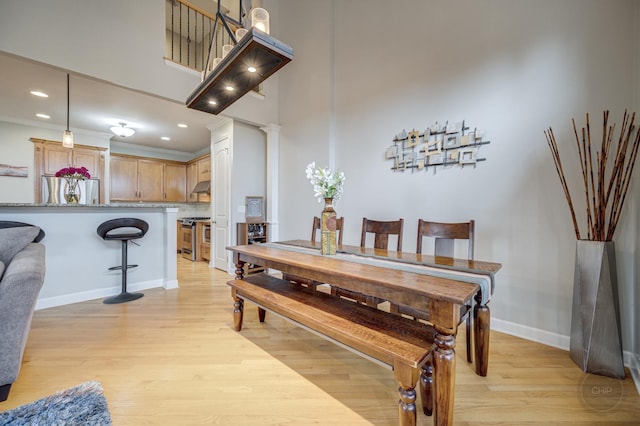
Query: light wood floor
[[172, 358]]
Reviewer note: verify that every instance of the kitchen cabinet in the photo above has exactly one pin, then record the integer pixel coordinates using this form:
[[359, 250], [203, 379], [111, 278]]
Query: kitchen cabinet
[[252, 233], [123, 178], [51, 156], [192, 180], [150, 180], [198, 170], [145, 179], [123, 175], [203, 232], [175, 182], [204, 168]]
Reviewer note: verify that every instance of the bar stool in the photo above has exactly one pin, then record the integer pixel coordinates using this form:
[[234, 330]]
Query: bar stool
[[125, 229]]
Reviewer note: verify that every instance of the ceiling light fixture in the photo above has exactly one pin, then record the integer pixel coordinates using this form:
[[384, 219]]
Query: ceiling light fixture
[[122, 131], [256, 49], [184, 126], [42, 115], [39, 94], [165, 138], [67, 136]]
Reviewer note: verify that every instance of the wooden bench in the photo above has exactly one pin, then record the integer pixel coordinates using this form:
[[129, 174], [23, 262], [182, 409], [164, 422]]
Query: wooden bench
[[400, 343]]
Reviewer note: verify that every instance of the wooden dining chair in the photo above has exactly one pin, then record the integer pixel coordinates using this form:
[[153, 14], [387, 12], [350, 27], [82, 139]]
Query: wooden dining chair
[[381, 231], [317, 225], [445, 235]]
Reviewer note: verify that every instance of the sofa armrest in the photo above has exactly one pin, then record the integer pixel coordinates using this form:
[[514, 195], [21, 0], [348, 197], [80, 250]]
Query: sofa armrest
[[19, 289]]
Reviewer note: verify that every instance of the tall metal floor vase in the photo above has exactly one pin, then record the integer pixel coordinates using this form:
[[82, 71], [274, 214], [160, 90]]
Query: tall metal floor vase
[[596, 341]]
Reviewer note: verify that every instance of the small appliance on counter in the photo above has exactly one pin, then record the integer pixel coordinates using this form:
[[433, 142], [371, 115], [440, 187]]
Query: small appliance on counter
[[53, 190]]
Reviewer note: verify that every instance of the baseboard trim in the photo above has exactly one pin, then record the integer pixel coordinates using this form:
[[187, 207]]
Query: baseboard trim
[[83, 296], [170, 284], [541, 336], [634, 367], [631, 361]]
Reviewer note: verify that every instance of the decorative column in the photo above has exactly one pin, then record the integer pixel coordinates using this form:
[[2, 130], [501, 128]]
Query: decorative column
[[170, 264], [273, 154]]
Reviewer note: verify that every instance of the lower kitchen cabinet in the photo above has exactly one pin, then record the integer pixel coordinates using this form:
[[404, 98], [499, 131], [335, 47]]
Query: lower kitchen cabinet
[[205, 251]]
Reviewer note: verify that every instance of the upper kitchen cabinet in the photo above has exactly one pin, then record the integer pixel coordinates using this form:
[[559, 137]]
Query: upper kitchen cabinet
[[145, 179], [199, 172], [204, 169], [51, 156], [123, 178], [175, 182], [150, 180], [192, 180]]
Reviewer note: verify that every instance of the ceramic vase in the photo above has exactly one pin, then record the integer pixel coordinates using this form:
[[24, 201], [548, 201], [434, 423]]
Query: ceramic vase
[[328, 228]]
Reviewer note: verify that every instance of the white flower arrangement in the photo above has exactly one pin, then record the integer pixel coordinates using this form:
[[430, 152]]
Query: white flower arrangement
[[326, 182]]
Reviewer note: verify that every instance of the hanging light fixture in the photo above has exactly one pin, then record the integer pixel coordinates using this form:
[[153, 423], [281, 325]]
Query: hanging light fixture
[[122, 130], [254, 58], [67, 136]]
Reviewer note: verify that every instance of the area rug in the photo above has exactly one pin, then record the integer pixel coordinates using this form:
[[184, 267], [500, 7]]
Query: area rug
[[82, 405]]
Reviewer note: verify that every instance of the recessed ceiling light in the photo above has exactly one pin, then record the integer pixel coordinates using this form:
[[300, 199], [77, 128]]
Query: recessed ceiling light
[[229, 88], [39, 94], [165, 138], [251, 69], [42, 115], [213, 102], [184, 126]]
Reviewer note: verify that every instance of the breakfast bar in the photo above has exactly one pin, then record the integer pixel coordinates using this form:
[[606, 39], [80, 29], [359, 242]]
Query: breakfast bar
[[78, 260]]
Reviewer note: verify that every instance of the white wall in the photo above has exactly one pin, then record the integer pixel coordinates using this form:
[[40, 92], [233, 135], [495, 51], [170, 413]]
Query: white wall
[[249, 168], [363, 71], [306, 109]]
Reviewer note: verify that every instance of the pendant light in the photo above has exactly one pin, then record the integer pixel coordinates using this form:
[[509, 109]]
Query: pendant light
[[67, 136], [247, 62]]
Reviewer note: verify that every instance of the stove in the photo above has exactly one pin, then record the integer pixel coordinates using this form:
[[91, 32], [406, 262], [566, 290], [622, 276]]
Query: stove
[[188, 235], [193, 220]]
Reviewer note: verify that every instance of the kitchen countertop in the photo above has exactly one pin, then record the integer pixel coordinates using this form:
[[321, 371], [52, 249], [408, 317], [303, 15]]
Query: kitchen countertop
[[115, 205]]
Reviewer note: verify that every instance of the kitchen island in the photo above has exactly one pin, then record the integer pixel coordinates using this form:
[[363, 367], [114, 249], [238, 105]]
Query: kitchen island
[[78, 260]]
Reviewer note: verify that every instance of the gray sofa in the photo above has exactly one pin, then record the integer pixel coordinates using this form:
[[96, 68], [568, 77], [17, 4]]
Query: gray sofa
[[22, 268]]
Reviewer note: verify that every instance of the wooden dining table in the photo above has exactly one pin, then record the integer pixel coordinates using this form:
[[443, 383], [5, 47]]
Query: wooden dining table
[[382, 274], [481, 312]]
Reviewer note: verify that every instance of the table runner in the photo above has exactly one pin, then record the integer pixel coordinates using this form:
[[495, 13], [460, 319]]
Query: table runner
[[482, 278]]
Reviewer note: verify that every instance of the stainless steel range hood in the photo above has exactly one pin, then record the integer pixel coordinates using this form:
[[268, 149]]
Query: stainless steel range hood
[[203, 187]]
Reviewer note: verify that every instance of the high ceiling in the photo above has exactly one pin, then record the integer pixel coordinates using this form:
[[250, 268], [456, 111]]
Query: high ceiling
[[95, 106]]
